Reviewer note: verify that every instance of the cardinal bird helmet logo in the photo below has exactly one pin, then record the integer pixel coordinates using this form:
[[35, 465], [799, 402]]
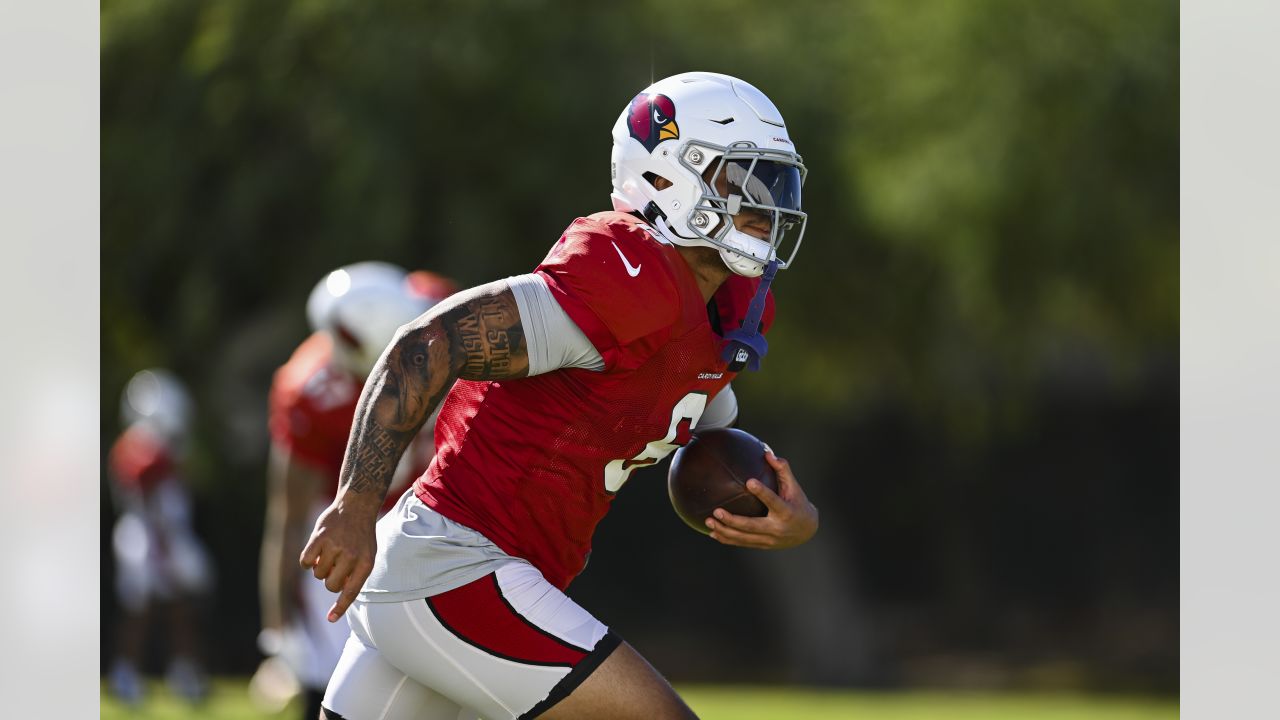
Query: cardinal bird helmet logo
[[653, 119]]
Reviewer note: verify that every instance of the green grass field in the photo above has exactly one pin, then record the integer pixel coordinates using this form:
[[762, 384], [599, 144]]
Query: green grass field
[[230, 701]]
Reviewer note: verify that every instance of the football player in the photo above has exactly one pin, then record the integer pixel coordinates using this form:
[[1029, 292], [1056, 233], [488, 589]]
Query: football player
[[556, 386], [354, 312], [161, 565]]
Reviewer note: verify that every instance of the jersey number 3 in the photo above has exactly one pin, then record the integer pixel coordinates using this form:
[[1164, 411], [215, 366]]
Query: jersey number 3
[[684, 416]]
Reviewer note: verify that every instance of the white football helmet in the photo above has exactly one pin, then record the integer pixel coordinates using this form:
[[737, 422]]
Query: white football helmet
[[692, 129], [362, 306], [156, 398]]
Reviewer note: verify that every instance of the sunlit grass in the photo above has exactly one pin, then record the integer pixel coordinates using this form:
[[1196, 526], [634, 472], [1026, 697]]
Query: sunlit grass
[[230, 701], [723, 703]]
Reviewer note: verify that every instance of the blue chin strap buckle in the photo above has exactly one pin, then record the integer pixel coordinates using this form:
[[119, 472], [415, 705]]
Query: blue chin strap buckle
[[746, 346]]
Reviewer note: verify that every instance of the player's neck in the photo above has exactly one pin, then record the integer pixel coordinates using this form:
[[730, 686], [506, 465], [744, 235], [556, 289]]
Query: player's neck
[[707, 267]]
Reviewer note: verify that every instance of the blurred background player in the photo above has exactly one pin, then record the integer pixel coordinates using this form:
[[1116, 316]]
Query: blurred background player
[[354, 312], [161, 565]]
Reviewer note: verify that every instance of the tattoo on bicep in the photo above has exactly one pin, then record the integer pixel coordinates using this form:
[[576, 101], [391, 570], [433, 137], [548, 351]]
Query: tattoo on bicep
[[486, 339]]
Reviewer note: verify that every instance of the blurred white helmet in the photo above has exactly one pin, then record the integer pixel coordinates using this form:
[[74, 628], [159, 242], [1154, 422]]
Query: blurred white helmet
[[362, 306], [156, 398], [693, 129]]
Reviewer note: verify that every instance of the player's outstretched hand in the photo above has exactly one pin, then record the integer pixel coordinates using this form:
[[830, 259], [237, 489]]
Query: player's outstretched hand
[[340, 552], [791, 521]]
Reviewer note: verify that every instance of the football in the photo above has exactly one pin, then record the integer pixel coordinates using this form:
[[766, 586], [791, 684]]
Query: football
[[712, 472]]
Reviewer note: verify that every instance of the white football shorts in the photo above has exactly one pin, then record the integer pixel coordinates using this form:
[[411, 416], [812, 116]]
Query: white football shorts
[[157, 553], [508, 645]]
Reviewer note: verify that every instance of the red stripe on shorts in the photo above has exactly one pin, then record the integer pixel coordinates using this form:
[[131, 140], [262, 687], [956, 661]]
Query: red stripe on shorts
[[480, 616]]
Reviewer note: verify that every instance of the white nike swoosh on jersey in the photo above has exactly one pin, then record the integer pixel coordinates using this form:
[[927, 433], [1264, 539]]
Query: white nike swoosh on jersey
[[631, 270]]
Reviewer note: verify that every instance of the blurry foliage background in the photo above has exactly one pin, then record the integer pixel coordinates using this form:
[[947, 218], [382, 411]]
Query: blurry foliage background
[[974, 365]]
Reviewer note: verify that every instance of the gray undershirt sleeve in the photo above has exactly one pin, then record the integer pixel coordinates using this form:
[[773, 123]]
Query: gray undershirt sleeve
[[721, 413], [551, 337]]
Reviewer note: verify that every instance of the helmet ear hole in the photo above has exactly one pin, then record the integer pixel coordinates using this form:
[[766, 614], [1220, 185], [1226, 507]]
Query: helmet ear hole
[[657, 181]]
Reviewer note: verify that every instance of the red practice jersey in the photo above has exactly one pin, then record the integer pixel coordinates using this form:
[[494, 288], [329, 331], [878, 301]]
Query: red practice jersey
[[140, 460], [312, 404], [533, 464]]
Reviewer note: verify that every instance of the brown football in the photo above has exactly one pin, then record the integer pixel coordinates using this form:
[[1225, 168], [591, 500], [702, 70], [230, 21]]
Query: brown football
[[712, 472]]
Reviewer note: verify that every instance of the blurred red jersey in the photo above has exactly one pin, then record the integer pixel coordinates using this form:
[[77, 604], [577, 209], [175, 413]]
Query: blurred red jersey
[[312, 405], [140, 460], [534, 463]]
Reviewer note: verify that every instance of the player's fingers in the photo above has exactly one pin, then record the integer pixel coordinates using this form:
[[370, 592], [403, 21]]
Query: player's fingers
[[337, 577], [729, 536], [350, 590], [780, 467], [770, 498], [345, 598], [324, 564], [339, 607], [774, 461], [309, 554], [743, 522], [788, 486]]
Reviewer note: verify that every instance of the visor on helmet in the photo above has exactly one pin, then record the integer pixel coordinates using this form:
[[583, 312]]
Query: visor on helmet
[[767, 182], [764, 183]]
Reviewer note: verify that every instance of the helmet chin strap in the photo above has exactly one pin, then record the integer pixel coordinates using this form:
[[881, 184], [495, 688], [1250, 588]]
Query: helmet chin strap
[[746, 346], [660, 222]]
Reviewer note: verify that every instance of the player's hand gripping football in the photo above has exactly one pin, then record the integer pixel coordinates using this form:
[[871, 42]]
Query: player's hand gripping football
[[791, 521], [340, 552]]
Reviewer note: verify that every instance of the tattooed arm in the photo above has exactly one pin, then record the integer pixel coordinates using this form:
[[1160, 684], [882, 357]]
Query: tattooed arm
[[473, 335]]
